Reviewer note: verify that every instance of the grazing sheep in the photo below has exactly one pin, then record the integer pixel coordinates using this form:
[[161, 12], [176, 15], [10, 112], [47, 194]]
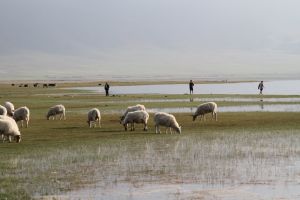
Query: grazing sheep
[[56, 110], [10, 108], [9, 128], [3, 110], [22, 114], [209, 107], [139, 116], [132, 109], [93, 116], [167, 120]]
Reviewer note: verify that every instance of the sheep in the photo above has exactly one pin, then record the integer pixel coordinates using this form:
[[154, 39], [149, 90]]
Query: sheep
[[10, 108], [167, 120], [22, 114], [55, 110], [9, 128], [93, 116], [139, 116], [3, 110], [131, 109], [209, 107]]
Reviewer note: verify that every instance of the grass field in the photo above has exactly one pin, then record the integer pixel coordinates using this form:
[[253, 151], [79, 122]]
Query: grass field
[[59, 156]]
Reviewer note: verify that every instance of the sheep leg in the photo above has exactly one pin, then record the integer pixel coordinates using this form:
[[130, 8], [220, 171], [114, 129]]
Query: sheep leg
[[132, 126], [9, 138], [216, 117], [27, 120], [171, 132], [157, 129], [145, 127], [99, 123]]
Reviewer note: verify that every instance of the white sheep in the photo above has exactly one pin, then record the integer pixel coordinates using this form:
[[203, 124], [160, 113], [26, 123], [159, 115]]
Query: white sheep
[[10, 108], [167, 120], [22, 114], [3, 110], [132, 109], [209, 107], [139, 116], [93, 117], [56, 110], [9, 128]]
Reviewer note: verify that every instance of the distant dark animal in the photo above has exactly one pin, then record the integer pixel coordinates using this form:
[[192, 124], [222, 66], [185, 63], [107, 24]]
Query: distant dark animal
[[25, 85], [12, 84], [51, 84], [35, 85], [45, 85]]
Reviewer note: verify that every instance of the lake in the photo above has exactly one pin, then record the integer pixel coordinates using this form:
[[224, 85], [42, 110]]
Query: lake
[[283, 87]]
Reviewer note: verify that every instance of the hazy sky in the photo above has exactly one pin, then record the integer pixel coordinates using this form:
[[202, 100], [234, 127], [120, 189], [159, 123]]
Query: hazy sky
[[148, 37]]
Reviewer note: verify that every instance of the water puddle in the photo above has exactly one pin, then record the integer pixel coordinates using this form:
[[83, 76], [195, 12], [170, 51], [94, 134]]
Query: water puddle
[[223, 99], [285, 87], [244, 108], [187, 191]]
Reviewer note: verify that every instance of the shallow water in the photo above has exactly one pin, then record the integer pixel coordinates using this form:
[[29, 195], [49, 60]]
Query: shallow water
[[243, 108], [188, 191], [242, 165], [220, 99], [284, 87]]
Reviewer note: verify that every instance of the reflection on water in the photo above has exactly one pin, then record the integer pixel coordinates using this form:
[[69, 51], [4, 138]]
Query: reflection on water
[[235, 165], [286, 87], [189, 191], [245, 108]]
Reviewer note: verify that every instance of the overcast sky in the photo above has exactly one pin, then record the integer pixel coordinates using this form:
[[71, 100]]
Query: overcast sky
[[148, 37]]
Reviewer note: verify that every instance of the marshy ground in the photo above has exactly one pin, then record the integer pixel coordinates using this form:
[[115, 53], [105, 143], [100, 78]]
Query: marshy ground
[[57, 158]]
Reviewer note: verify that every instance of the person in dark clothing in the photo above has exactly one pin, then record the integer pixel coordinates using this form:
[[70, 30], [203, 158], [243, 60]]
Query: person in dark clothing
[[191, 84], [261, 87], [106, 87]]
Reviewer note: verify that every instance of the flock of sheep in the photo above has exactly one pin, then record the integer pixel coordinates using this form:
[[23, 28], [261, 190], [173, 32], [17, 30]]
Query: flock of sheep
[[133, 115]]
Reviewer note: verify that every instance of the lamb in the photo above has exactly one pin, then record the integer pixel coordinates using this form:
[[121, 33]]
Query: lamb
[[167, 120], [22, 114], [3, 110], [93, 116], [209, 107], [132, 109], [9, 128], [139, 116], [57, 110], [10, 108]]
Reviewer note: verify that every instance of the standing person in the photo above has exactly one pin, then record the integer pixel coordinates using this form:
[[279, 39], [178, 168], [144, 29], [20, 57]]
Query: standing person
[[191, 84], [106, 87], [261, 87]]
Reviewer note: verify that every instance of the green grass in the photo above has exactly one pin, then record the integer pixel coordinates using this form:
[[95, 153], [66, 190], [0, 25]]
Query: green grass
[[58, 156]]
